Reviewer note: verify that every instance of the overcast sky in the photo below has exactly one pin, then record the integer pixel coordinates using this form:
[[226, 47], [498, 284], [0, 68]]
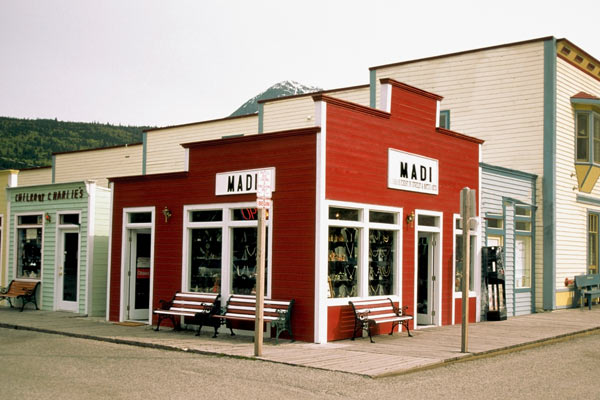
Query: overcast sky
[[159, 63]]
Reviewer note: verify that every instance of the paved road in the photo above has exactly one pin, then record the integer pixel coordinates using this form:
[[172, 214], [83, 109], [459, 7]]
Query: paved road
[[53, 366]]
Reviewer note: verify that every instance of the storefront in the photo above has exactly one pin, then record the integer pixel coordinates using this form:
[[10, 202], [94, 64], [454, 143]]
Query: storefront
[[364, 204], [58, 236]]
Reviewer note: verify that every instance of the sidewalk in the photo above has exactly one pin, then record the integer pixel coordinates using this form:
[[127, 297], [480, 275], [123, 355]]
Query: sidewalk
[[390, 355]]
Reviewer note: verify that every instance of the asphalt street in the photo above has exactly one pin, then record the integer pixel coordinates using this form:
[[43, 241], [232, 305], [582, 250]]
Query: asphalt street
[[43, 365]]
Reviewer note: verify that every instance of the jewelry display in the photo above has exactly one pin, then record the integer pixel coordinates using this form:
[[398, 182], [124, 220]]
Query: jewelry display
[[205, 267], [343, 291]]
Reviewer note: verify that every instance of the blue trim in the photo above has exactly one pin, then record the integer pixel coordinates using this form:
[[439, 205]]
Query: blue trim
[[261, 114], [511, 173], [373, 88], [593, 102], [53, 168], [588, 200], [549, 178], [144, 150]]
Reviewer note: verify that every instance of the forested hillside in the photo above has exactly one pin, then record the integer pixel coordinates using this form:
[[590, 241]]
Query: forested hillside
[[26, 143]]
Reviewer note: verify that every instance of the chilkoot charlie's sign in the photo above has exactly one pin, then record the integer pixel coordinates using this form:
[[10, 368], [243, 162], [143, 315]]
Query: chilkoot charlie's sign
[[240, 182], [53, 195], [412, 172]]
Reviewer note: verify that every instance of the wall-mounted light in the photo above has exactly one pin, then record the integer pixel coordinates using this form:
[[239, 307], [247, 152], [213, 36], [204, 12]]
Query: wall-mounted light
[[48, 218], [410, 219], [167, 213]]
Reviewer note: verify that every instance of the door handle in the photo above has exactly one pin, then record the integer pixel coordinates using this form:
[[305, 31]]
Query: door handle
[[60, 271]]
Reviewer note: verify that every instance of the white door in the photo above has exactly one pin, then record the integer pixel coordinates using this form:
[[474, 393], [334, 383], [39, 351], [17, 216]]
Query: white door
[[68, 271], [426, 278], [138, 275]]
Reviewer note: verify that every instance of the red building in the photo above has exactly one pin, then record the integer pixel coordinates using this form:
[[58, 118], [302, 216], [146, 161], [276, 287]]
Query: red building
[[364, 204]]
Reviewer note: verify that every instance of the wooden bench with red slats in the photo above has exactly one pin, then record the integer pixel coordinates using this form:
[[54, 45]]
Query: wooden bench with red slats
[[243, 308], [371, 312], [23, 290], [200, 306]]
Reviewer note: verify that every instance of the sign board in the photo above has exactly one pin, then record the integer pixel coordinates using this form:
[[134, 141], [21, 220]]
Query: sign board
[[241, 182], [263, 186], [263, 203], [412, 172]]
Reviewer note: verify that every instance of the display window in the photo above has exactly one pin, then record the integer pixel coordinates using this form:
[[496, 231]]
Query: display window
[[29, 246], [458, 257], [362, 251], [523, 249], [222, 249]]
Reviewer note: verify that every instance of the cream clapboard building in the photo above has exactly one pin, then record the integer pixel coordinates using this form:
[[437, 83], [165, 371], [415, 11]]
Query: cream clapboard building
[[536, 104]]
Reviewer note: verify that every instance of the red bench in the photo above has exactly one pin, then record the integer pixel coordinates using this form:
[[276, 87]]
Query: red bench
[[369, 313]]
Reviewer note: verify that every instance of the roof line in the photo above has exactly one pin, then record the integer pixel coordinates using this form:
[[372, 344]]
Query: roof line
[[255, 137], [293, 96], [98, 148], [201, 122], [462, 52]]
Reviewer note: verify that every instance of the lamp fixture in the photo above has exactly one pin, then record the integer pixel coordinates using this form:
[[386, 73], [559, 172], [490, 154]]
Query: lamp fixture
[[410, 219], [167, 213]]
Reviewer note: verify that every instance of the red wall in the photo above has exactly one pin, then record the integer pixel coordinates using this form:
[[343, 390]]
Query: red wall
[[293, 259], [356, 170]]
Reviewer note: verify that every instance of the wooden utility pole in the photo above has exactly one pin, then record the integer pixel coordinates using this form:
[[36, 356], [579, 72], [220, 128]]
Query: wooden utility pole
[[467, 211], [260, 280]]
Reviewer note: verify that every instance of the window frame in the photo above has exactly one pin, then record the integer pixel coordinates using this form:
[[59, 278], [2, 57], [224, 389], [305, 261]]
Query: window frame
[[529, 254], [592, 118], [364, 226], [474, 234], [596, 243], [17, 226], [227, 224]]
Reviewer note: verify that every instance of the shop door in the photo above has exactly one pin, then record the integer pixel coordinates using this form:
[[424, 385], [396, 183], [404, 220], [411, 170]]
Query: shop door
[[425, 278], [68, 271], [138, 275]]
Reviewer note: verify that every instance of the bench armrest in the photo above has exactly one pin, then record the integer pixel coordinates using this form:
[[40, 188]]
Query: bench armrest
[[164, 304], [362, 315], [3, 290]]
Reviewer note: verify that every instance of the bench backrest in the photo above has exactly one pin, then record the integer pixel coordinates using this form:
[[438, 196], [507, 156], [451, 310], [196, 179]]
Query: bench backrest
[[583, 281], [246, 305], [17, 288], [375, 307], [202, 302]]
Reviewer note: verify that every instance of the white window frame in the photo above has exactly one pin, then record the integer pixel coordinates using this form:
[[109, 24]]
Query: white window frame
[[474, 233], [364, 226], [60, 228], [226, 225], [16, 244]]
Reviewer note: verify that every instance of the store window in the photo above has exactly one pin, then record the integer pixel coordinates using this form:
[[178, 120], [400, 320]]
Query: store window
[[222, 248], [29, 246], [592, 243], [445, 119], [362, 246], [458, 255], [523, 249], [587, 126]]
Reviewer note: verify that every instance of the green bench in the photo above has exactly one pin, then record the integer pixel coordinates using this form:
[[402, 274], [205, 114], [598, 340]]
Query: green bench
[[588, 286]]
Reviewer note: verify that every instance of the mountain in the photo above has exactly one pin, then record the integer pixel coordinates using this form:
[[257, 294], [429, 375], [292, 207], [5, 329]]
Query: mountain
[[26, 143], [281, 89]]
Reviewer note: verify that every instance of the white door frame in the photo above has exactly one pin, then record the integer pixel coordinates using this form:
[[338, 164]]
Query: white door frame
[[62, 305], [437, 234], [125, 258]]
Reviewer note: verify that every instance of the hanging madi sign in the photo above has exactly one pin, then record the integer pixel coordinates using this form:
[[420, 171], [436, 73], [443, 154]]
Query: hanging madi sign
[[243, 182], [412, 172]]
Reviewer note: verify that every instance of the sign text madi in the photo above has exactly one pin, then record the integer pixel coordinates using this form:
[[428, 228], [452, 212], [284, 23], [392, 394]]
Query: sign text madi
[[412, 172], [241, 182]]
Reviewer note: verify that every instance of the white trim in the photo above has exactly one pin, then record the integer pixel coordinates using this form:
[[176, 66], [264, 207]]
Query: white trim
[[58, 257], [385, 102], [2, 240], [6, 241], [226, 224], [438, 256], [109, 264], [16, 245], [438, 106], [321, 286], [186, 165], [125, 256]]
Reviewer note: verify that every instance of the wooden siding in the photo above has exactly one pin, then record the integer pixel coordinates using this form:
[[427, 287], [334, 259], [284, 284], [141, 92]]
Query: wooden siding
[[100, 253], [98, 164], [163, 146], [571, 217], [293, 252], [37, 176], [495, 95], [497, 187], [49, 240], [299, 112], [357, 170]]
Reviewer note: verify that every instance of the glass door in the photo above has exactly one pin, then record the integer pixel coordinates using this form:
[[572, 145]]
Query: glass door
[[68, 271], [138, 274]]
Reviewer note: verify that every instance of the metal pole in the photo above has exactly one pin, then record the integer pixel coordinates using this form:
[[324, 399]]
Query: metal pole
[[260, 281], [466, 213]]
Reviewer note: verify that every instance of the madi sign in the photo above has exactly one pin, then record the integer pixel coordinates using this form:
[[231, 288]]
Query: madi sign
[[241, 182], [407, 171]]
